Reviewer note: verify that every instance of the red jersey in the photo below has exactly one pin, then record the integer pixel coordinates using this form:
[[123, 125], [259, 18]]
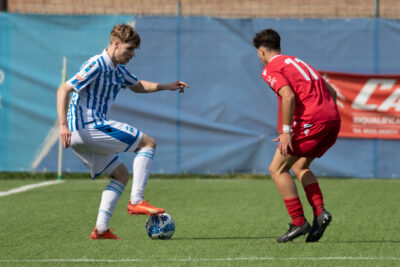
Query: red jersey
[[313, 103]]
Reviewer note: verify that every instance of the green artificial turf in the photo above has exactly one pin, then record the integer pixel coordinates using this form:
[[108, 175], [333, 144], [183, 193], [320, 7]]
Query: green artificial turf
[[219, 222]]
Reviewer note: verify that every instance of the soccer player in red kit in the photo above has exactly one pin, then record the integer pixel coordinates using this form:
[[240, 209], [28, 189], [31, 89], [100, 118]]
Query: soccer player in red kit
[[311, 123]]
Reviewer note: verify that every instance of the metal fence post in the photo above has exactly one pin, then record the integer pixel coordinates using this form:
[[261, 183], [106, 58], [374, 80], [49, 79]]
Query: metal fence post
[[178, 95], [376, 9], [3, 5]]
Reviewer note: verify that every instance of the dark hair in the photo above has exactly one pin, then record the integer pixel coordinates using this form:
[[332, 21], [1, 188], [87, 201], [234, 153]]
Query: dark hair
[[126, 34], [267, 38]]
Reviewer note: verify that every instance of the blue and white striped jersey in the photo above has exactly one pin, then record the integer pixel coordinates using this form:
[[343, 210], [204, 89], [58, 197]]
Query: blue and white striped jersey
[[96, 85]]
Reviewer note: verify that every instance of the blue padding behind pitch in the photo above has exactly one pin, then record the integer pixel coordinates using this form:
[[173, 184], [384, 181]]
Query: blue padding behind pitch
[[224, 123]]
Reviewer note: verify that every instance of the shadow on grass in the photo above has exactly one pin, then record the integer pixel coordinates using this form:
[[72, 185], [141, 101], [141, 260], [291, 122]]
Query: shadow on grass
[[224, 238], [361, 241], [274, 237]]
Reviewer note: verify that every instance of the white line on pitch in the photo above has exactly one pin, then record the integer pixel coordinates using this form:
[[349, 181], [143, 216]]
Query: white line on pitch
[[216, 260], [28, 187]]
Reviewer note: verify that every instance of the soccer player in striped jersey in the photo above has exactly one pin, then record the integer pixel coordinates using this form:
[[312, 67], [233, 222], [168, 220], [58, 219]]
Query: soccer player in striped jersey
[[95, 139], [311, 124]]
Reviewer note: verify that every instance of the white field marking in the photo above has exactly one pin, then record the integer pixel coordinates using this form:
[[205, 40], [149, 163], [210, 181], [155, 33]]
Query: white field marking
[[48, 142], [28, 187], [216, 260]]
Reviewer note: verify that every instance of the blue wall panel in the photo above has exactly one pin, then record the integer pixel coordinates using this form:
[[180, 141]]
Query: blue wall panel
[[224, 123]]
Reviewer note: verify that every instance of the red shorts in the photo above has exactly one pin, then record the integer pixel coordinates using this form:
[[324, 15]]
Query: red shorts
[[312, 141]]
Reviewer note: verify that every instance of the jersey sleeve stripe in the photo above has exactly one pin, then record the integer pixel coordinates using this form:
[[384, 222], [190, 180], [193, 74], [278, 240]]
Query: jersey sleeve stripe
[[87, 80], [130, 79]]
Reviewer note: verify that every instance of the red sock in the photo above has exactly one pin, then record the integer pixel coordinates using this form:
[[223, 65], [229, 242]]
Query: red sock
[[295, 209], [314, 196]]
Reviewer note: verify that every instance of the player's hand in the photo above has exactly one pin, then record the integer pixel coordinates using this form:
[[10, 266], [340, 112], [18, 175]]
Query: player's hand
[[285, 140], [178, 85], [65, 135]]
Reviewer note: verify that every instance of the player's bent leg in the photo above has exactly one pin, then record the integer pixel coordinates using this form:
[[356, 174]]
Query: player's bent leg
[[301, 169], [279, 170], [322, 217], [109, 200], [310, 184], [141, 172], [121, 174], [146, 142]]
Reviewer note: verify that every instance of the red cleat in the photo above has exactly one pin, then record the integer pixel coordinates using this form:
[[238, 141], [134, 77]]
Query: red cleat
[[143, 208], [106, 235]]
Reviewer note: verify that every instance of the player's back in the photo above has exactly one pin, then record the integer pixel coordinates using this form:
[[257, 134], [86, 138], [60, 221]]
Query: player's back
[[313, 103]]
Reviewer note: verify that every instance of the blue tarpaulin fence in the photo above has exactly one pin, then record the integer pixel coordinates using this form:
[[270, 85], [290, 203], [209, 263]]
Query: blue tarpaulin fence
[[224, 123]]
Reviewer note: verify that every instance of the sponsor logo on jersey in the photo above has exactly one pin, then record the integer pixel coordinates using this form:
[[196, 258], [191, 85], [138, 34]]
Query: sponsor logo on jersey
[[83, 73], [271, 81]]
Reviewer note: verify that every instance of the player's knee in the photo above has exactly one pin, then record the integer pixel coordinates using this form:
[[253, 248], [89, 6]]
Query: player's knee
[[147, 141], [273, 171], [153, 143], [276, 170]]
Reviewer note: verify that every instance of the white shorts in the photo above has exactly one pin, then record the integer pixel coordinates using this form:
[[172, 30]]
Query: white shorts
[[97, 147]]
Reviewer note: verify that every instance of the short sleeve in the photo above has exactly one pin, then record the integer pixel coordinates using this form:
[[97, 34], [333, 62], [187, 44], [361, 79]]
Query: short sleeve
[[87, 73], [276, 80], [129, 79]]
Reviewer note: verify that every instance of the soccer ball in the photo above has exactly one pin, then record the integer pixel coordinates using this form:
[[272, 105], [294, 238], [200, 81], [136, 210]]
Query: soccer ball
[[160, 226]]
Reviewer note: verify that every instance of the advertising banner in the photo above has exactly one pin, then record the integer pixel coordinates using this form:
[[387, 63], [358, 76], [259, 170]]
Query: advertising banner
[[369, 105]]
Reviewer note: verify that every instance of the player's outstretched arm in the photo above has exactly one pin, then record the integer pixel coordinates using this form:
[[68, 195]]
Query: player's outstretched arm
[[62, 102], [150, 87]]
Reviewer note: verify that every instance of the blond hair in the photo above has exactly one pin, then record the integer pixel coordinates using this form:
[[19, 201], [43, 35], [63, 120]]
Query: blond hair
[[126, 34]]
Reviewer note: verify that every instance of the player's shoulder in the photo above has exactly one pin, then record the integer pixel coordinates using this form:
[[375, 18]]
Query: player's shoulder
[[280, 60], [275, 64], [92, 63], [121, 67], [126, 73]]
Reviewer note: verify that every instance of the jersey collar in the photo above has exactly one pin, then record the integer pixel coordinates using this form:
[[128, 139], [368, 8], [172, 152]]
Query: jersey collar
[[274, 57], [107, 59]]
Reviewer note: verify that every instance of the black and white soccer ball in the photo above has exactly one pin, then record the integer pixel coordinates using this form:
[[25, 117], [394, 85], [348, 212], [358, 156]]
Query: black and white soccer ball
[[160, 226]]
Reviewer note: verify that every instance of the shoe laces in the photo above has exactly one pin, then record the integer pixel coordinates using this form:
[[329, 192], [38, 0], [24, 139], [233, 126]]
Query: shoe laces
[[146, 203]]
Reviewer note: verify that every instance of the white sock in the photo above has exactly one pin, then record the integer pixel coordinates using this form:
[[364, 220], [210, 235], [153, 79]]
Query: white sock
[[141, 171], [108, 202]]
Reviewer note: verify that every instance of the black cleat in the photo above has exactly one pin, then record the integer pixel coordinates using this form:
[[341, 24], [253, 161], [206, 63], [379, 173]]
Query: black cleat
[[319, 225], [294, 232]]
